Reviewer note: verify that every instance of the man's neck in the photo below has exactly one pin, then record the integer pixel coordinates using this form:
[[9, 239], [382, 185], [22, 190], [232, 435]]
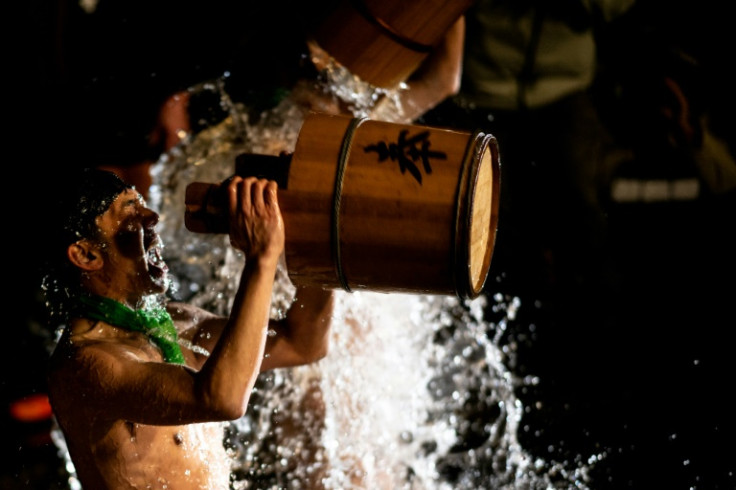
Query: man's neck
[[132, 301]]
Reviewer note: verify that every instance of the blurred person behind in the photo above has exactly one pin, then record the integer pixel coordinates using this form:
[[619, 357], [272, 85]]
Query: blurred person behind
[[529, 70]]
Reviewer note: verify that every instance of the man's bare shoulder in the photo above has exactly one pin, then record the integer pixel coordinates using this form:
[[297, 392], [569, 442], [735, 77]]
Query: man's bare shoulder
[[90, 367], [99, 353]]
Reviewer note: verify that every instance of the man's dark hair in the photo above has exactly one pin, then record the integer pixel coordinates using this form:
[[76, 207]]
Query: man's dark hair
[[88, 194]]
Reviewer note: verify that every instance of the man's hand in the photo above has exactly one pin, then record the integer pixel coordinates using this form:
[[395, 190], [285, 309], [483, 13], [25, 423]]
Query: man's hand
[[256, 225]]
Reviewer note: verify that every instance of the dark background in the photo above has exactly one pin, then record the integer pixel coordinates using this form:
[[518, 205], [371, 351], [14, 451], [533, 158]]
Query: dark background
[[647, 379]]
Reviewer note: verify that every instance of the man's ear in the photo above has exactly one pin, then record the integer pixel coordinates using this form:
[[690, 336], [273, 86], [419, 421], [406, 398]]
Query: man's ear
[[85, 255]]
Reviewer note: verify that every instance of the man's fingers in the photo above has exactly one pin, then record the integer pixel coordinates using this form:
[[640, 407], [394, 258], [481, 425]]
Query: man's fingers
[[252, 195], [256, 192], [246, 194], [271, 193], [233, 185]]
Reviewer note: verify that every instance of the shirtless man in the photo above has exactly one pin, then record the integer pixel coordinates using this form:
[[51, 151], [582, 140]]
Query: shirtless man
[[140, 406]]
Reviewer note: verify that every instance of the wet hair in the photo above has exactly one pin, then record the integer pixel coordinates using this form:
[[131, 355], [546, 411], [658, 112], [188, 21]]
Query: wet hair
[[89, 192], [89, 195]]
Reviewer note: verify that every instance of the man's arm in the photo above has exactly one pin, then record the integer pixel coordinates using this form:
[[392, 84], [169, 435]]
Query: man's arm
[[303, 336], [256, 227], [437, 78]]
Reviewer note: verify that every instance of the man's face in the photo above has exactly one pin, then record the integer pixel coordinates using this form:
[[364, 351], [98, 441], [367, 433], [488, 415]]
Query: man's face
[[132, 248]]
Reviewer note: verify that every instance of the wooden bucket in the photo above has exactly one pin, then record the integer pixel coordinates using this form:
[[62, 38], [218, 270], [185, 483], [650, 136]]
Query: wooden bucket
[[371, 205], [383, 42]]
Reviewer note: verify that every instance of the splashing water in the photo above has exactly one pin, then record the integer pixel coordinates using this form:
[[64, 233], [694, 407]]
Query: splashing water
[[415, 393]]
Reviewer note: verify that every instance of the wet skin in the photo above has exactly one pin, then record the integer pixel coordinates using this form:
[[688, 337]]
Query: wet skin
[[131, 420]]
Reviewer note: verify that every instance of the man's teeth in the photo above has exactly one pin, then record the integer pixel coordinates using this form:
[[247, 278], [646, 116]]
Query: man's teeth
[[154, 255]]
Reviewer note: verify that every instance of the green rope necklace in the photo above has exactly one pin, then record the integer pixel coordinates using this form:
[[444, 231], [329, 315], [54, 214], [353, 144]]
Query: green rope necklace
[[156, 323]]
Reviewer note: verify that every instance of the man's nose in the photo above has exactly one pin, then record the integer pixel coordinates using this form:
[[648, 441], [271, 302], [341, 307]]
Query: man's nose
[[150, 217]]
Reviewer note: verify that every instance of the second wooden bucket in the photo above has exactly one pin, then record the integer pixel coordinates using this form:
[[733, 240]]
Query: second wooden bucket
[[383, 42], [380, 206]]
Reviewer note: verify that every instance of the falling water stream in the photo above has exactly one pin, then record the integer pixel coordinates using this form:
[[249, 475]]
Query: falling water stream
[[416, 391]]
